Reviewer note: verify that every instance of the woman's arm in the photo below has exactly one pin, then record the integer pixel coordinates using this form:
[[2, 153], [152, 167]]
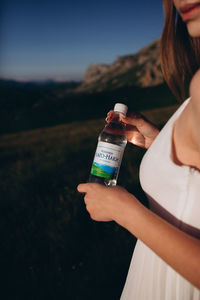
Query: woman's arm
[[176, 248]]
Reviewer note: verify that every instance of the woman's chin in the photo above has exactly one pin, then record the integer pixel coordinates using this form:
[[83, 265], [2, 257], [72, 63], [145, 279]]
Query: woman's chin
[[193, 29]]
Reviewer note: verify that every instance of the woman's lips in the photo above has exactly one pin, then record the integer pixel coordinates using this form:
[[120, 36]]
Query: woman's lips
[[189, 11]]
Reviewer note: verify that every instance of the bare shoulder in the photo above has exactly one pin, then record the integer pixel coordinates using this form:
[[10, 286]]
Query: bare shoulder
[[186, 137], [195, 106], [195, 89]]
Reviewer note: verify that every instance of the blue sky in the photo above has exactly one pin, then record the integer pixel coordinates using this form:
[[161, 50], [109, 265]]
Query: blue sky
[[57, 39]]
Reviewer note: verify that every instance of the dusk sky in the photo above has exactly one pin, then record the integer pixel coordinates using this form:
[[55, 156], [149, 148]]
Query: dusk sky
[[57, 39]]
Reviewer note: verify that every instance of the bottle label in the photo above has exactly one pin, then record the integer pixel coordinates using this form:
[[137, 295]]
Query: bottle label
[[107, 160]]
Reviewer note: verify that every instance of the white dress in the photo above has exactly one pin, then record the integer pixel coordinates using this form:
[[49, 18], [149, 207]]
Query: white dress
[[174, 194]]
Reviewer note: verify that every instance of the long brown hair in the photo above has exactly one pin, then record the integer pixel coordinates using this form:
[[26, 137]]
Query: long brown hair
[[180, 54]]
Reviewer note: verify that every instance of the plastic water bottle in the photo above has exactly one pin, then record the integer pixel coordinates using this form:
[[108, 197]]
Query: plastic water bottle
[[110, 149]]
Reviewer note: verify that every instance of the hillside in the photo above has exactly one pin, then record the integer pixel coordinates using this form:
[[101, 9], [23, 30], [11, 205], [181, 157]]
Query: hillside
[[141, 69], [38, 109], [135, 80], [48, 242]]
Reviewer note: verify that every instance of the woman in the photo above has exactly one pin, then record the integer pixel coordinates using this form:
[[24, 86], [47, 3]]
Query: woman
[[166, 260]]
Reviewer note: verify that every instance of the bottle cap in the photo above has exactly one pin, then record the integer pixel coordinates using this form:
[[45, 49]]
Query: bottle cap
[[121, 108]]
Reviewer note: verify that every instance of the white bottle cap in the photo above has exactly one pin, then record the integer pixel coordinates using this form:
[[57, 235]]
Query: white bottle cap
[[121, 108]]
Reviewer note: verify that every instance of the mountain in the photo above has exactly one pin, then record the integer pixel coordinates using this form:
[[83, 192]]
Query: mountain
[[45, 85], [141, 69], [136, 80]]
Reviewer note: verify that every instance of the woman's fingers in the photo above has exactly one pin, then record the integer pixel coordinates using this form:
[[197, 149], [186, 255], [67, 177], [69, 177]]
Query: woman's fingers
[[89, 187], [139, 130], [83, 187], [109, 116], [133, 119], [144, 126]]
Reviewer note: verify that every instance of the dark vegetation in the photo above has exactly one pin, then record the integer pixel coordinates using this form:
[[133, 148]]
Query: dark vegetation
[[28, 106], [50, 248]]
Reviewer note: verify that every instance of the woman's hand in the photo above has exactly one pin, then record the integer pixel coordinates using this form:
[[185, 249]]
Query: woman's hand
[[106, 203], [139, 131], [179, 250]]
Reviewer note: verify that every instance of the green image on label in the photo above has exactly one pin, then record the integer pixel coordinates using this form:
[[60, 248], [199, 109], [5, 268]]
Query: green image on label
[[97, 171]]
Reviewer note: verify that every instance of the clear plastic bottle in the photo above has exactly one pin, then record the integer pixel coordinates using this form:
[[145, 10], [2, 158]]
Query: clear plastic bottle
[[110, 149]]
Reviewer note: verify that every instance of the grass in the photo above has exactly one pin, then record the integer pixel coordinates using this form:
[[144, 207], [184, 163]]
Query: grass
[[50, 248]]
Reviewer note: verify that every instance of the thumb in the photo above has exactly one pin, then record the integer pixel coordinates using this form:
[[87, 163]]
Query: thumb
[[82, 187]]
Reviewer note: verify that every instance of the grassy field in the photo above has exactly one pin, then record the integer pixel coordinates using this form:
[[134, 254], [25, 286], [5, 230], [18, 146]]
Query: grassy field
[[50, 248]]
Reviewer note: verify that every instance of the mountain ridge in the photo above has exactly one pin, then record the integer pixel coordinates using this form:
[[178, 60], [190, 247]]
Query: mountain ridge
[[141, 69], [134, 79]]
